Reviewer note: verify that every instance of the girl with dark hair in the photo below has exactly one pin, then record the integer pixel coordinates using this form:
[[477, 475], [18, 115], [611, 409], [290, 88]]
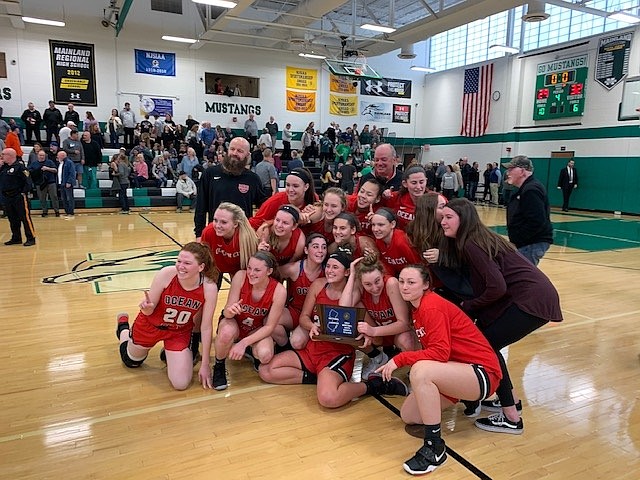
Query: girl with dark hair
[[299, 276], [284, 239], [395, 248], [388, 320], [403, 202], [178, 294], [364, 202], [511, 298], [299, 192], [425, 232], [250, 318], [455, 361], [327, 364], [346, 232]]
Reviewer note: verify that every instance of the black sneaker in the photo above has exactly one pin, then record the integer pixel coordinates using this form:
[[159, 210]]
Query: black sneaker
[[496, 407], [219, 376], [57, 214], [122, 323], [30, 243], [471, 409], [395, 386], [427, 459], [13, 242], [498, 423]]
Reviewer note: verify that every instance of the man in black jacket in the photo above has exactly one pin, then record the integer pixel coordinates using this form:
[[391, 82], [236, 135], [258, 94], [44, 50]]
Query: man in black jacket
[[230, 181], [567, 181], [528, 222], [32, 120]]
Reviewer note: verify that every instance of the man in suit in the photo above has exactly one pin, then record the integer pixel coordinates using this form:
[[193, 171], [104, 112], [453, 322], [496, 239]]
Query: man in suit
[[567, 181]]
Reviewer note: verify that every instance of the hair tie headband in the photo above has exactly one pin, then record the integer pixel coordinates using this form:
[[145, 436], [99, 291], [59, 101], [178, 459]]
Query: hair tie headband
[[386, 213], [343, 259], [301, 174], [293, 211]]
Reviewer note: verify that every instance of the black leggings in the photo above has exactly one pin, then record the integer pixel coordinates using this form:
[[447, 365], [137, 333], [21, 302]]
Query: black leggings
[[508, 328]]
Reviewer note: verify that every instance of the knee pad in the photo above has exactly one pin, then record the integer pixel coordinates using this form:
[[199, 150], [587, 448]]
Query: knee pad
[[126, 359]]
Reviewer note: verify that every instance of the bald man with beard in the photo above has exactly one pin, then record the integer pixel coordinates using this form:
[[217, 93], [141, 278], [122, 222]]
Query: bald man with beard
[[231, 181]]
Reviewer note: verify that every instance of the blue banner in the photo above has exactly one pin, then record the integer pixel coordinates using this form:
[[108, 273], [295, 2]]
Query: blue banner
[[156, 106], [155, 63]]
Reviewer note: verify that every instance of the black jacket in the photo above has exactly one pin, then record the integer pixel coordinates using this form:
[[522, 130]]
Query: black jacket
[[528, 215]]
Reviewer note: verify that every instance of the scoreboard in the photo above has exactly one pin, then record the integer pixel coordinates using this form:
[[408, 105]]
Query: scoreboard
[[560, 88]]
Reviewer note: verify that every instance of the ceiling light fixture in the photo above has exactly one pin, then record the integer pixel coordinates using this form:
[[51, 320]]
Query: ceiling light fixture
[[626, 17], [179, 39], [312, 55], [378, 28], [43, 21], [417, 68], [217, 3], [503, 49]]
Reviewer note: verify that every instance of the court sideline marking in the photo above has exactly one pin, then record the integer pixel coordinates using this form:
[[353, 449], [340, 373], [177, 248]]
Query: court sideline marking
[[456, 456]]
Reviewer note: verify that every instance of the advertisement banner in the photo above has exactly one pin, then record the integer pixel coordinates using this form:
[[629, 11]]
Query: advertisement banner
[[375, 112], [343, 106], [342, 85], [73, 72], [401, 113], [155, 63], [302, 78], [156, 106], [386, 87], [302, 102]]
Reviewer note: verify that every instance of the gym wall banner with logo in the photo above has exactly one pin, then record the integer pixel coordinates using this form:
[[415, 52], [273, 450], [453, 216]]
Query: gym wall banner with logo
[[343, 106], [155, 63], [386, 87], [302, 102], [73, 72], [302, 78]]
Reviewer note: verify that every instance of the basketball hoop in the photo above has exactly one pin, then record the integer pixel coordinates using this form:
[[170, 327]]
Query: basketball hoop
[[360, 64]]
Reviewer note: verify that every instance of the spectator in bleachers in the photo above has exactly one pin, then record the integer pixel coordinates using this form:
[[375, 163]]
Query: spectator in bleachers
[[267, 173], [44, 175], [185, 188], [159, 171], [265, 138], [52, 119], [188, 162], [32, 120], [114, 128], [33, 155], [141, 171], [92, 159], [13, 141], [295, 162], [88, 121]]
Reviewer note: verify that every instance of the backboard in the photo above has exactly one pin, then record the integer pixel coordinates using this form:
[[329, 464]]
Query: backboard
[[353, 69]]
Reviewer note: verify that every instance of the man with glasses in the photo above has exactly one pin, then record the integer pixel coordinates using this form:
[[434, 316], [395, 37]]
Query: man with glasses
[[528, 222]]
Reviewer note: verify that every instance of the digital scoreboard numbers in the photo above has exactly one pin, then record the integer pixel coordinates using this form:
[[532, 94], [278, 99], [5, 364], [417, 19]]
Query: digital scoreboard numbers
[[560, 88]]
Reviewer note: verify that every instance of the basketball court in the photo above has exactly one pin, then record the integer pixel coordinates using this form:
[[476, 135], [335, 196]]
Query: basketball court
[[70, 409]]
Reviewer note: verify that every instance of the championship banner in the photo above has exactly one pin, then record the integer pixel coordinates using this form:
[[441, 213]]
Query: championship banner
[[375, 112], [302, 78], [73, 73], [343, 106], [401, 113], [612, 63], [302, 102], [342, 85], [386, 87], [155, 63], [156, 106]]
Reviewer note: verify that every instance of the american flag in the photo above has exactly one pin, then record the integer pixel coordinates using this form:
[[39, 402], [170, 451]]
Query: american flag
[[476, 100]]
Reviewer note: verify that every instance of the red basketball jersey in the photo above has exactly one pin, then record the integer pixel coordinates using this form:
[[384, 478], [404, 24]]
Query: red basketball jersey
[[403, 207], [381, 311], [254, 313], [283, 257], [225, 253], [398, 254], [297, 289]]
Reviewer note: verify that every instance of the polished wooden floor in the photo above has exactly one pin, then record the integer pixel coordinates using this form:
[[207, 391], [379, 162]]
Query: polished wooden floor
[[70, 410]]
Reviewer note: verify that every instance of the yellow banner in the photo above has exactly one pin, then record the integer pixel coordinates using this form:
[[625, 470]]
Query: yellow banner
[[304, 102], [342, 85], [302, 78], [344, 106]]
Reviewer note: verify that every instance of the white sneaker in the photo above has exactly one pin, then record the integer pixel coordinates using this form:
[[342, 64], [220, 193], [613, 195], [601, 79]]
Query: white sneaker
[[374, 363]]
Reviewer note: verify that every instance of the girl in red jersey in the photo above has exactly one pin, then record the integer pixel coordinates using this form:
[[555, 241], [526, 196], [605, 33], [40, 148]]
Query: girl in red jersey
[[395, 248], [403, 202], [284, 239], [231, 239], [250, 317], [177, 294], [347, 236], [299, 276], [388, 313], [456, 361], [299, 192], [334, 202], [328, 364], [363, 203]]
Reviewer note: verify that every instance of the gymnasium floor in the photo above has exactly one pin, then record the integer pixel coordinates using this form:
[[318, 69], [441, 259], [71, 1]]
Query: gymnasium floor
[[70, 410]]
